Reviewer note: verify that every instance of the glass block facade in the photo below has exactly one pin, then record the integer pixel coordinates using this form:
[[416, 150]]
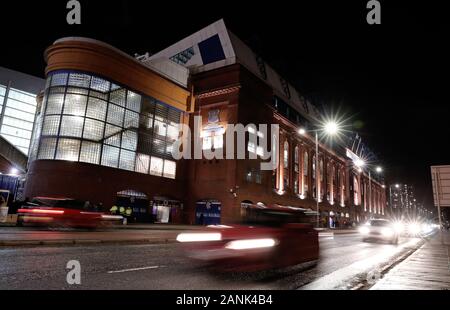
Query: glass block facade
[[17, 112], [86, 118]]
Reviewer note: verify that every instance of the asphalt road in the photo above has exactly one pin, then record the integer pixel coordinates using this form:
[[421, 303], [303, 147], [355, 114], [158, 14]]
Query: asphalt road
[[163, 266]]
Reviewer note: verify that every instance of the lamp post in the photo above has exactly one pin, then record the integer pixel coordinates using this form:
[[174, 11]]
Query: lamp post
[[330, 128]]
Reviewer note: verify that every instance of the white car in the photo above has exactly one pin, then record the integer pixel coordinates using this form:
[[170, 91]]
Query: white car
[[379, 229]]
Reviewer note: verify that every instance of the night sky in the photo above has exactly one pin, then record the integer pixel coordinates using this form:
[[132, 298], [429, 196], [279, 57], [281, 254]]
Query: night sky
[[390, 80]]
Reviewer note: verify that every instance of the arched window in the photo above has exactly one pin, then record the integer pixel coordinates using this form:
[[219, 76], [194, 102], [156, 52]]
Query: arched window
[[286, 155], [355, 191], [313, 175], [305, 173], [342, 187], [296, 170], [322, 190], [286, 164]]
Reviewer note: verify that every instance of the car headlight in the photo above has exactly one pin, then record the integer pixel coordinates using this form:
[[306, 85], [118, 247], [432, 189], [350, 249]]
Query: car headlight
[[387, 232], [414, 228], [399, 227], [251, 244], [195, 237], [364, 230]]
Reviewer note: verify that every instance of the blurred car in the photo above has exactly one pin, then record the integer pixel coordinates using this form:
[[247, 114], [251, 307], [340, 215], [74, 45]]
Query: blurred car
[[267, 238], [380, 229], [63, 212]]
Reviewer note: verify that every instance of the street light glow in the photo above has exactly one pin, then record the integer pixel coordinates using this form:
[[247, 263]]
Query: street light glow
[[331, 128], [397, 186], [359, 163], [302, 131], [379, 169]]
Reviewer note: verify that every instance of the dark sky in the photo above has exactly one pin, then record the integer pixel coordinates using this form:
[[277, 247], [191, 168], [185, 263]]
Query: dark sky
[[391, 79]]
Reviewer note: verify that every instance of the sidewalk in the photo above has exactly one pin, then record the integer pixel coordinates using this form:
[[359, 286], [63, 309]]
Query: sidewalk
[[427, 268]]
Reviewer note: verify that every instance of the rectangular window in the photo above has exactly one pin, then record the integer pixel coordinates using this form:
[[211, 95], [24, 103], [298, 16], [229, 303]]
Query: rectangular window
[[79, 80], [90, 152], [16, 132], [68, 149], [127, 160], [96, 109], [19, 114], [22, 96], [14, 122], [115, 115], [93, 130], [173, 131], [156, 166], [160, 128], [54, 104], [51, 125], [77, 90], [71, 126], [131, 119], [142, 163], [258, 178], [100, 84], [21, 106], [170, 169], [112, 135], [129, 140], [248, 176], [75, 105], [47, 148], [134, 101], [117, 96], [59, 79], [110, 156]]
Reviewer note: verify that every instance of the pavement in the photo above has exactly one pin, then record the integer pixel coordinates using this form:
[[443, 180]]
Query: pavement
[[164, 266], [427, 268], [132, 233]]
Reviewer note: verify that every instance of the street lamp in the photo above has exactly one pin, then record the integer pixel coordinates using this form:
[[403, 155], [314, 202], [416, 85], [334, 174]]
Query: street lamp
[[330, 128]]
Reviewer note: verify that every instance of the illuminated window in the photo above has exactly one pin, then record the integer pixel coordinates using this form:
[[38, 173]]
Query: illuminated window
[[90, 152], [92, 120], [68, 149], [156, 166], [169, 169], [286, 155], [142, 163]]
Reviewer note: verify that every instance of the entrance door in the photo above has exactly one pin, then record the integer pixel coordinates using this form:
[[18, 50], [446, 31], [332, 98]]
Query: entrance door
[[208, 212], [162, 214]]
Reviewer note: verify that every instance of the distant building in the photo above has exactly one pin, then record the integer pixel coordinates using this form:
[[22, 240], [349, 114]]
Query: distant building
[[403, 201], [18, 92], [18, 103]]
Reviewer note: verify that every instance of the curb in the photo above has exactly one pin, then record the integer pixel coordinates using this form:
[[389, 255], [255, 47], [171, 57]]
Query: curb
[[7, 243], [364, 285]]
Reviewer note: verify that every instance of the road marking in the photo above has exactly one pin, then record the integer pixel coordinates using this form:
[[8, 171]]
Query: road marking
[[135, 269]]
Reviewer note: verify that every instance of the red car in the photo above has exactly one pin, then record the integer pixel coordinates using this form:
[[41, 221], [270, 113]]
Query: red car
[[268, 238], [63, 212]]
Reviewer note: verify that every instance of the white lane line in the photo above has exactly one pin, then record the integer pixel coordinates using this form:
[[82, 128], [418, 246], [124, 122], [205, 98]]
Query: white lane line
[[135, 269]]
